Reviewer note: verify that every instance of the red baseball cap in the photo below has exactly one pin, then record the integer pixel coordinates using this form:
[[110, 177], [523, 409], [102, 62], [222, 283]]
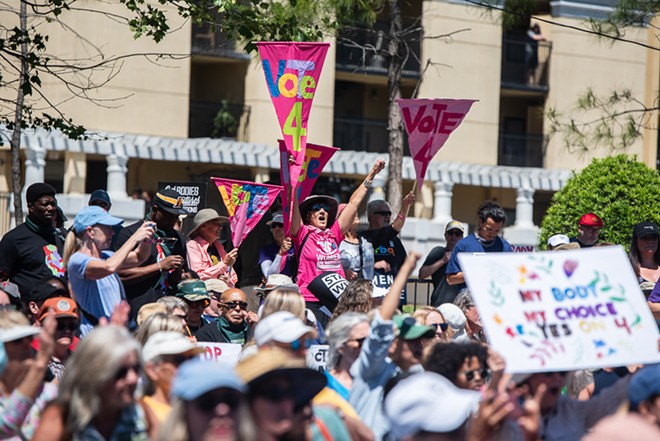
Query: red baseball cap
[[62, 307], [591, 220]]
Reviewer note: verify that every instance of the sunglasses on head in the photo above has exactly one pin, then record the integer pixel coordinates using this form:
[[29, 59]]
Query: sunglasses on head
[[471, 375], [443, 326], [383, 213], [234, 304], [318, 206], [210, 400], [67, 326], [123, 371], [275, 225]]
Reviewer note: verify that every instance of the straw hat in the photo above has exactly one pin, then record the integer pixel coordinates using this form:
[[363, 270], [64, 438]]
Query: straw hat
[[203, 216], [306, 206]]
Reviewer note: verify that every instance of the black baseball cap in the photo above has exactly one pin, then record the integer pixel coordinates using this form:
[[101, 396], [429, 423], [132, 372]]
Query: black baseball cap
[[645, 229], [169, 200], [44, 291]]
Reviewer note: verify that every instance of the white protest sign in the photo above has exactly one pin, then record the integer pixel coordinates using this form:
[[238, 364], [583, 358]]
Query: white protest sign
[[317, 357], [221, 352], [562, 310]]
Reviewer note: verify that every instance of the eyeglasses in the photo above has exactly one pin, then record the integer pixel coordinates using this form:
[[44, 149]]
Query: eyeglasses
[[324, 207], [297, 345], [233, 305], [211, 399], [454, 233], [383, 213], [67, 326], [471, 375], [443, 326], [276, 225], [359, 341], [123, 371], [198, 303]]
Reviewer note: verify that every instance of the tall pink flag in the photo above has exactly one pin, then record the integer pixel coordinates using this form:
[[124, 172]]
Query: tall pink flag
[[315, 159], [246, 203], [292, 71], [429, 122]]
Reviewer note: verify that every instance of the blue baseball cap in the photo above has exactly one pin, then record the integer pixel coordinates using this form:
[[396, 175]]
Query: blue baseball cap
[[645, 384], [198, 376], [94, 215]]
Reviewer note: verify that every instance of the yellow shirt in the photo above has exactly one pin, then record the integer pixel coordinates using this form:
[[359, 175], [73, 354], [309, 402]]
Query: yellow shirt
[[161, 410]]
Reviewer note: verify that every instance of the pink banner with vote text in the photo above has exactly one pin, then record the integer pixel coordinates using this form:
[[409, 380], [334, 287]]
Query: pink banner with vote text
[[429, 122], [315, 159], [246, 203]]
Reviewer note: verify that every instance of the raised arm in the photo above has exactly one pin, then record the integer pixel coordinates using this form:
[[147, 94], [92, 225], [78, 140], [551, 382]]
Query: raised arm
[[400, 220], [391, 301], [346, 217]]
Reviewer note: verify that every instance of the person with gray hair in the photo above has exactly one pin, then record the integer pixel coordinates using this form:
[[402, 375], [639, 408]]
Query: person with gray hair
[[96, 396], [473, 326], [345, 336], [491, 220]]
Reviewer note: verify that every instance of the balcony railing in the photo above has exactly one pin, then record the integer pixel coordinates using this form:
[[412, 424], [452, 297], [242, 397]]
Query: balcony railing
[[362, 50], [525, 64], [232, 123], [362, 135], [521, 150], [213, 42]]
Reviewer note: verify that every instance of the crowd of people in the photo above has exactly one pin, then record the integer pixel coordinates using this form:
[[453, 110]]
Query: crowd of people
[[104, 326]]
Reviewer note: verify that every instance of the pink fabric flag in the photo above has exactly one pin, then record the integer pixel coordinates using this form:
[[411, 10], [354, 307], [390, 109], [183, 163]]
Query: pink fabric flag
[[429, 122], [292, 71], [246, 203], [315, 159]]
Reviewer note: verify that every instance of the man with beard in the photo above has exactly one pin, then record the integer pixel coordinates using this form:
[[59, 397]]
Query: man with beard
[[235, 323], [32, 251]]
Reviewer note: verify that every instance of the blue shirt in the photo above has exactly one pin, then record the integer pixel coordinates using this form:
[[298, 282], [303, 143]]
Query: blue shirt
[[470, 244], [96, 297]]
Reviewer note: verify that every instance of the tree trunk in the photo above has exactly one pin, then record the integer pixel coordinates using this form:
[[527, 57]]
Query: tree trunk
[[394, 123], [15, 142]]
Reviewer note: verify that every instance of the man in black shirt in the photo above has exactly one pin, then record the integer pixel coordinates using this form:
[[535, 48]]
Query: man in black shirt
[[32, 251], [436, 264], [389, 253], [161, 272]]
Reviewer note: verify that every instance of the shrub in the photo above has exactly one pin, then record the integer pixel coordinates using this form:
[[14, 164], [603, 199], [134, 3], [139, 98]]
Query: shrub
[[619, 189]]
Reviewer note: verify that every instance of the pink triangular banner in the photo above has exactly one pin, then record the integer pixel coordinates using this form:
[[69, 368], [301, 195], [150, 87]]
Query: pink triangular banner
[[429, 122], [246, 204], [315, 159]]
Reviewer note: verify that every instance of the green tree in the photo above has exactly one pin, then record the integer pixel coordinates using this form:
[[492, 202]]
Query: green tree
[[619, 189]]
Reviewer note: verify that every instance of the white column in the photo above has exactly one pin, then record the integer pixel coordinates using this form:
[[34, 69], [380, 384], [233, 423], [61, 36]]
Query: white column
[[377, 190], [442, 203], [261, 175], [117, 176], [525, 208], [35, 163]]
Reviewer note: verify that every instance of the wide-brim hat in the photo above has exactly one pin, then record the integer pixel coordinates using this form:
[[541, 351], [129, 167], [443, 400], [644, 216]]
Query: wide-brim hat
[[306, 206], [306, 383], [203, 216], [278, 218]]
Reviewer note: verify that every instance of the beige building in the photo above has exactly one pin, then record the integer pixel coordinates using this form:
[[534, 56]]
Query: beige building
[[158, 111]]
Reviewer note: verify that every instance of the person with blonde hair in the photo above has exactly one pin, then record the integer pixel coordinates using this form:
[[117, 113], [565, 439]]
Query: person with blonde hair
[[92, 268], [284, 299], [430, 316], [159, 322], [96, 396]]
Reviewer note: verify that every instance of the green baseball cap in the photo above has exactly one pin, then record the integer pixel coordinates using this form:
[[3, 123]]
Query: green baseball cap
[[193, 291], [408, 328]]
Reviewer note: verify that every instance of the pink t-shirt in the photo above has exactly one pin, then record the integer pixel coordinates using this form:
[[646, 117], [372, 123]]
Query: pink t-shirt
[[321, 254]]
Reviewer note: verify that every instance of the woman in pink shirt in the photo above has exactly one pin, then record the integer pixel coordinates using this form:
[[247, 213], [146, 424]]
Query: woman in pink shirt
[[316, 235], [206, 255]]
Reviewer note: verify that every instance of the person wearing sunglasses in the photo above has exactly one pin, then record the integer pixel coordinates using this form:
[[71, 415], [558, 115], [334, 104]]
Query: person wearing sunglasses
[[346, 334], [316, 237], [194, 293], [465, 365], [162, 355], [96, 398], [430, 316], [65, 312], [276, 257], [209, 404], [235, 323], [436, 262]]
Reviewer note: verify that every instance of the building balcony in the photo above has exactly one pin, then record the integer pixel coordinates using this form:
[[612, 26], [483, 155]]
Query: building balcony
[[362, 135], [525, 66], [362, 50], [207, 41], [521, 150], [218, 120]]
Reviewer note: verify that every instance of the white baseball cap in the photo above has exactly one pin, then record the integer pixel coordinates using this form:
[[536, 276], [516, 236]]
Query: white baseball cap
[[408, 403], [18, 332], [558, 239], [168, 343], [281, 327]]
